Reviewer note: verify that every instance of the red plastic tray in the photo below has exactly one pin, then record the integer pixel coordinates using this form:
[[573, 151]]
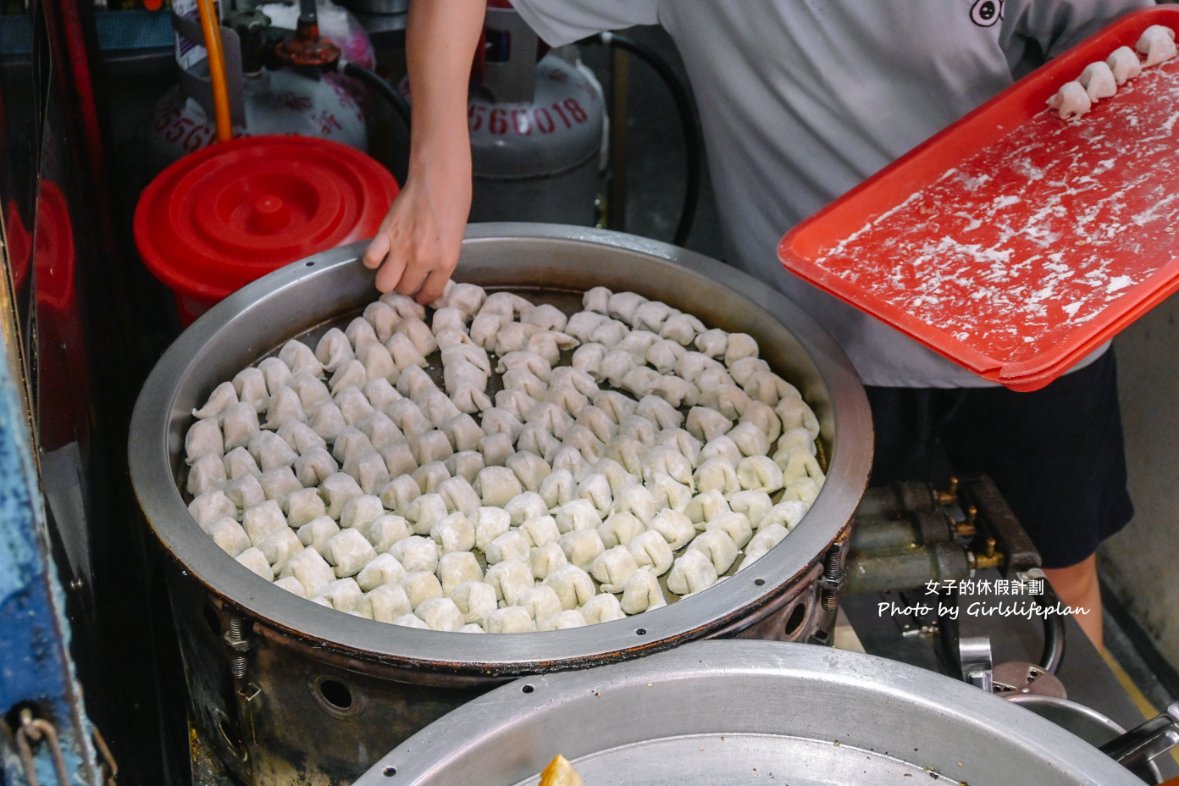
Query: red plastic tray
[[1015, 243]]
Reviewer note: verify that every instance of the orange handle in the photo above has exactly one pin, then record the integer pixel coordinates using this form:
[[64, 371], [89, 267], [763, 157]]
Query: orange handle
[[211, 27]]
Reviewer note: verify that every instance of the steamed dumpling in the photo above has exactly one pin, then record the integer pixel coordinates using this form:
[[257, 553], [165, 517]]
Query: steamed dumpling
[[735, 525], [573, 586], [558, 488], [475, 599], [674, 527], [228, 535], [1071, 100], [497, 486], [596, 299], [1124, 64], [383, 569], [311, 570], [490, 523], [457, 567], [388, 602], [546, 560], [563, 620], [613, 567], [1098, 80], [239, 425], [602, 607], [652, 552], [454, 533], [692, 572], [620, 529], [207, 473], [1157, 45], [369, 482], [762, 542], [509, 579], [222, 396], [509, 619], [253, 386], [540, 601], [510, 545], [421, 586], [642, 593], [348, 552], [416, 554]]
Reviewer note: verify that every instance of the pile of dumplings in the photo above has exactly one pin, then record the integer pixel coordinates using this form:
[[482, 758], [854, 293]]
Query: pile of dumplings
[[568, 470], [1102, 79]]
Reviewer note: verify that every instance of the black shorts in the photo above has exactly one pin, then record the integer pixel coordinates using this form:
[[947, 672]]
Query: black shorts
[[1056, 454]]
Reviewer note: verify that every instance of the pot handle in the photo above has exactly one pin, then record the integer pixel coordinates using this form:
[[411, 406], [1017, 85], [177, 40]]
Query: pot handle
[[1143, 743]]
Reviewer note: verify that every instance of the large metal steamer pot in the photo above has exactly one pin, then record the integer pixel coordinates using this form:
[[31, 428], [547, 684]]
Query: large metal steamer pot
[[286, 691], [746, 713]]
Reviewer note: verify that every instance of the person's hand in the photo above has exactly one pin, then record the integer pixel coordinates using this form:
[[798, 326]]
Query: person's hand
[[417, 246]]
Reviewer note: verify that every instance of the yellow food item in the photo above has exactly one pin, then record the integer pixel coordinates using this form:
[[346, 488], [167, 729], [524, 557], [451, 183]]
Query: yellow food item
[[560, 772]]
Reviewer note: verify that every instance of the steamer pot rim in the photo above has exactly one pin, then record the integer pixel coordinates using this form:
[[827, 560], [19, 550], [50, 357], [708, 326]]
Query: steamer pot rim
[[562, 713], [502, 655]]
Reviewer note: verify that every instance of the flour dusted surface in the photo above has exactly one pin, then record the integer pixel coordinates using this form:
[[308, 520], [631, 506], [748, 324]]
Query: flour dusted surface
[[1037, 237]]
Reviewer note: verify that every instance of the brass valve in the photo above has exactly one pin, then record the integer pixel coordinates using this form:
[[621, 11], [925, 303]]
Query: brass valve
[[989, 558], [307, 48], [950, 495], [967, 527]]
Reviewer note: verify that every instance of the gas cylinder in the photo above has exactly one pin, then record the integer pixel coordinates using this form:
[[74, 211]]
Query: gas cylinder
[[263, 100], [536, 129]]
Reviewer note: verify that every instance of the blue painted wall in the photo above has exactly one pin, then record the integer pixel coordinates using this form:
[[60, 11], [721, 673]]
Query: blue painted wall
[[35, 669]]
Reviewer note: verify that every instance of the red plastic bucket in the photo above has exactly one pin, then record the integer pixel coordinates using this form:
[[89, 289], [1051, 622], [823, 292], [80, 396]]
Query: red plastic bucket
[[217, 219]]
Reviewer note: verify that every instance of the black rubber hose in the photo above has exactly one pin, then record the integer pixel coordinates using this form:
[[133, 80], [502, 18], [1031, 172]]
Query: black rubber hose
[[1053, 644], [1053, 633], [376, 82], [689, 125]]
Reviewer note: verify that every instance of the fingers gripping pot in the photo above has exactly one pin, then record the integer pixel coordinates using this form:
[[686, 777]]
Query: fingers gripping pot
[[289, 691]]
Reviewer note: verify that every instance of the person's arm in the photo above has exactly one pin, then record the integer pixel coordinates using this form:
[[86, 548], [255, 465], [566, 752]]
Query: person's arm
[[417, 246]]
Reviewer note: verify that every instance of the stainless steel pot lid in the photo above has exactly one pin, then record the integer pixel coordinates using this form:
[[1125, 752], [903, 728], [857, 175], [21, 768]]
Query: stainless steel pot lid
[[746, 712]]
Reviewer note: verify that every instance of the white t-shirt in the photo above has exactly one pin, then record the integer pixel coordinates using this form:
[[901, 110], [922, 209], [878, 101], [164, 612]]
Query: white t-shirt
[[800, 100]]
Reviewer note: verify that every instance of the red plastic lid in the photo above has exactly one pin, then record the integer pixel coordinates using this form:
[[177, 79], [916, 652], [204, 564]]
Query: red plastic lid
[[55, 257], [221, 217], [20, 245]]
